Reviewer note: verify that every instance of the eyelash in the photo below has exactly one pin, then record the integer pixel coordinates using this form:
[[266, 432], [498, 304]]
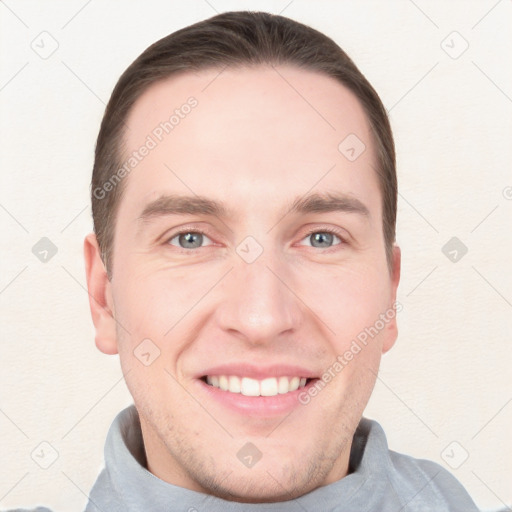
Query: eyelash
[[331, 231]]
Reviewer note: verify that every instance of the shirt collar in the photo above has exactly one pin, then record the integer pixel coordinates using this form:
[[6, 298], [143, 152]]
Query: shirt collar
[[127, 482]]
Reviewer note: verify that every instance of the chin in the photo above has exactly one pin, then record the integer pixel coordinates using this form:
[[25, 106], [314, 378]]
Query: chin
[[266, 490], [267, 483]]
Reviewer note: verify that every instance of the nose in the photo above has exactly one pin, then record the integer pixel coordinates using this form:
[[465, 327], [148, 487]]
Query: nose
[[258, 304]]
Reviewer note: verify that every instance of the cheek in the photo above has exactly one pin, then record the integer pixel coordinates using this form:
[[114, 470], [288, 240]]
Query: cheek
[[156, 310], [152, 303], [346, 300]]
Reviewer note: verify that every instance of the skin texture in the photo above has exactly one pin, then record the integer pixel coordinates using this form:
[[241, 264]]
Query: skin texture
[[254, 143]]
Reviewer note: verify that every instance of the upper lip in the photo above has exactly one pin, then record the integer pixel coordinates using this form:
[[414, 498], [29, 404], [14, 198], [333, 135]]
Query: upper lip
[[259, 372]]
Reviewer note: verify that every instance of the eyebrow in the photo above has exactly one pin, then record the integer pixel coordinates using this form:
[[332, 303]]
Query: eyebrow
[[183, 205], [200, 205], [327, 202]]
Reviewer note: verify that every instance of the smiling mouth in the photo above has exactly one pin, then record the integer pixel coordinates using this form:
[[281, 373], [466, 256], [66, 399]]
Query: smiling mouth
[[247, 386]]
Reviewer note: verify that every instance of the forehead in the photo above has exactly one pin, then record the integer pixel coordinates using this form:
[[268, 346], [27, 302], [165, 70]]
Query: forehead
[[252, 134]]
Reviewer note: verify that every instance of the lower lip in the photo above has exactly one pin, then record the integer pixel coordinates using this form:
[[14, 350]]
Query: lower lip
[[256, 405]]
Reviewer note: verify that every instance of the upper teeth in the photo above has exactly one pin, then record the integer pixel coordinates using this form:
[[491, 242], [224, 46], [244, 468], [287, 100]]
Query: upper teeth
[[252, 387]]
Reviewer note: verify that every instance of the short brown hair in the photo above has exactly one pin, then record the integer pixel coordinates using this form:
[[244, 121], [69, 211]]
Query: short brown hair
[[234, 39]]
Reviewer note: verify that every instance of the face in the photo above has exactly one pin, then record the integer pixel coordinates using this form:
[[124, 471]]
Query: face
[[248, 257]]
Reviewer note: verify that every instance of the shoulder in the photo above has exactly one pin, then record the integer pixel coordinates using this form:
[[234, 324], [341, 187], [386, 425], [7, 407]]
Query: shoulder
[[431, 482], [418, 484]]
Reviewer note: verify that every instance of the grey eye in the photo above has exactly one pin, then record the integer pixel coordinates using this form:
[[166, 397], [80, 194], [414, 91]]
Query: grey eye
[[322, 239], [189, 240]]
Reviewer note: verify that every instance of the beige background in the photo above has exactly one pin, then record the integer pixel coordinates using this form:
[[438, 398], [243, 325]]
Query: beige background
[[448, 378]]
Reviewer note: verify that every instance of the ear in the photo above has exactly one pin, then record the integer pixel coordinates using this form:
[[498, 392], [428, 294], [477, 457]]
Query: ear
[[391, 328], [100, 297]]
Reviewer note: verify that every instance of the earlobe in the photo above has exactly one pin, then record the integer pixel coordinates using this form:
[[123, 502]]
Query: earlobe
[[100, 297], [392, 328]]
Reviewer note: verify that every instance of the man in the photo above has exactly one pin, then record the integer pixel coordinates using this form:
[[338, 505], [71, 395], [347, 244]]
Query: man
[[244, 267]]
